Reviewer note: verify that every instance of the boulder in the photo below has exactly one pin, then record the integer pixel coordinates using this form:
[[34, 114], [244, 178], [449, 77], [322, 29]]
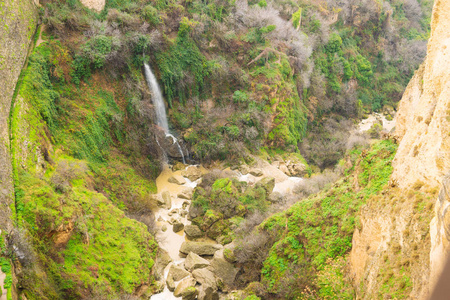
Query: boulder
[[297, 169], [244, 169], [192, 231], [275, 197], [177, 226], [267, 183], [164, 228], [193, 261], [185, 204], [161, 261], [170, 283], [208, 293], [284, 168], [199, 248], [177, 179], [228, 254], [185, 284], [192, 173], [189, 294], [178, 166], [183, 213], [177, 273], [165, 200], [256, 172], [173, 211], [223, 269], [183, 195], [206, 278]]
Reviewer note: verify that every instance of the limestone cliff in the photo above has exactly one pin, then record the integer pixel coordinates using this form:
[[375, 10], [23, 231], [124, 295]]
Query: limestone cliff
[[19, 19], [395, 240]]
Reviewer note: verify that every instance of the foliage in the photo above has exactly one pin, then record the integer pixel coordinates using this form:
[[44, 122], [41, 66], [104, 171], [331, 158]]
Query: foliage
[[321, 227]]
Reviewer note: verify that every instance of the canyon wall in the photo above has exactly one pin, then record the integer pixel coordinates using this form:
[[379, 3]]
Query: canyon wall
[[395, 239], [19, 20]]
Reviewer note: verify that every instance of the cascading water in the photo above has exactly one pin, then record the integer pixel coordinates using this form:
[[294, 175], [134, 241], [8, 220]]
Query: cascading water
[[160, 109]]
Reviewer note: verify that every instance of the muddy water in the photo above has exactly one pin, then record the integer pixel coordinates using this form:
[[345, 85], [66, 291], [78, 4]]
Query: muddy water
[[169, 240]]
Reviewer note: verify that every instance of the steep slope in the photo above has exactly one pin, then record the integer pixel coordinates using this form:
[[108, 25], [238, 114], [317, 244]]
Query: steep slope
[[396, 233], [19, 19]]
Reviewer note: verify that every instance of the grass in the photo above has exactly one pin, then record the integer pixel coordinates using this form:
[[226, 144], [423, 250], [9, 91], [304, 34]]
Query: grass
[[321, 227]]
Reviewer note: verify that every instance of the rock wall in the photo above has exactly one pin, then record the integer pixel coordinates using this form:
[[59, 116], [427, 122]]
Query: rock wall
[[423, 119], [423, 125], [19, 20], [396, 234]]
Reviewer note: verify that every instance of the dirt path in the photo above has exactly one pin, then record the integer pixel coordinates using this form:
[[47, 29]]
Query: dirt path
[[97, 5]]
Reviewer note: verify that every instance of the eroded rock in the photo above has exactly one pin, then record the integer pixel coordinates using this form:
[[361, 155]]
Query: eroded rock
[[192, 231], [184, 285], [177, 273], [193, 261], [177, 179], [199, 248]]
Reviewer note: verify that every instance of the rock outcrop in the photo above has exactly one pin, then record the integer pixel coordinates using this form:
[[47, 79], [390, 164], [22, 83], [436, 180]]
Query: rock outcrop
[[421, 162], [19, 20]]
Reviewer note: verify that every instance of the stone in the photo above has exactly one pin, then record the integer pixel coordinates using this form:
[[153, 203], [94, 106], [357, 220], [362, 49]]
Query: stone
[[205, 277], [160, 219], [183, 213], [244, 169], [199, 248], [297, 169], [192, 231], [189, 293], [192, 173], [161, 261], [164, 228], [184, 196], [178, 166], [284, 168], [228, 254], [173, 211], [208, 294], [193, 261], [185, 204], [167, 200], [170, 283], [177, 273], [275, 197], [267, 183], [185, 284], [177, 226], [177, 179], [223, 269], [256, 172]]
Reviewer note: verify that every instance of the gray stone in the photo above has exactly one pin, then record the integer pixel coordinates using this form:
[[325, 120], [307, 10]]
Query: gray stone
[[192, 173], [166, 200], [192, 231], [177, 179], [170, 283], [223, 269], [177, 273], [193, 261], [206, 278], [177, 226], [256, 172], [186, 283], [199, 248], [208, 293], [267, 183]]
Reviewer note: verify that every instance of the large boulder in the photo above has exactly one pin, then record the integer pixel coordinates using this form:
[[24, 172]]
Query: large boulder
[[208, 293], [192, 173], [223, 269], [189, 293], [256, 172], [206, 278], [165, 201], [170, 283], [267, 183], [185, 284], [177, 179], [177, 226], [161, 262], [177, 273], [199, 248], [192, 231], [193, 261]]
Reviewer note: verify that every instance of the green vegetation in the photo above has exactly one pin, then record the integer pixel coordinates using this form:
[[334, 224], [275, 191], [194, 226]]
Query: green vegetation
[[320, 228]]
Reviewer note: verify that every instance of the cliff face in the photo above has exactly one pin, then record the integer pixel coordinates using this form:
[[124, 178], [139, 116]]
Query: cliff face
[[19, 21], [396, 234], [423, 119]]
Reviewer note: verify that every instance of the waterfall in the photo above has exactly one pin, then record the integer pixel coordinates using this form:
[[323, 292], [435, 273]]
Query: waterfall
[[160, 108], [158, 101]]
